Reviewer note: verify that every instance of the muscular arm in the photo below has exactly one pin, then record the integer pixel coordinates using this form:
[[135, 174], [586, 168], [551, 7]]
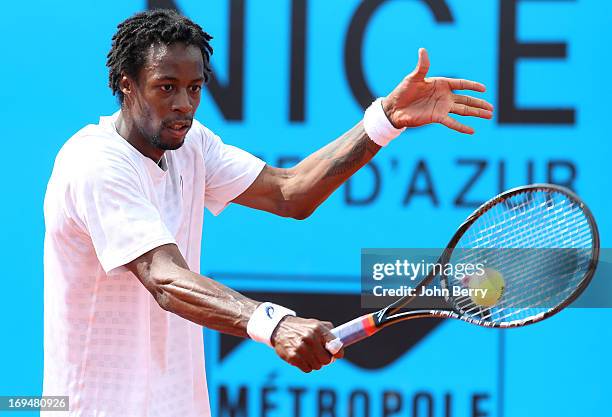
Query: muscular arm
[[296, 192], [415, 101], [164, 272]]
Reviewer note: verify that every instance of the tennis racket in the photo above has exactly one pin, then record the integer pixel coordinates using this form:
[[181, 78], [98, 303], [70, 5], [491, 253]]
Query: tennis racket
[[541, 238]]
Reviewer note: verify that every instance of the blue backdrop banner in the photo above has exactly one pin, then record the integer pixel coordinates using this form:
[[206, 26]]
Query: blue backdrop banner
[[290, 76]]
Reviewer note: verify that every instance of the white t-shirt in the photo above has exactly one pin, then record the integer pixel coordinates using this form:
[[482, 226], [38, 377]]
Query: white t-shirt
[[108, 345]]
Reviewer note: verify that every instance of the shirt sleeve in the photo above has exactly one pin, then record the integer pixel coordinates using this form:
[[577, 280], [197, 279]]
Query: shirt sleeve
[[229, 172], [110, 203]]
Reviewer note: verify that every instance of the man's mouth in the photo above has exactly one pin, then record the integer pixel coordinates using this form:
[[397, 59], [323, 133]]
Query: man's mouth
[[178, 127]]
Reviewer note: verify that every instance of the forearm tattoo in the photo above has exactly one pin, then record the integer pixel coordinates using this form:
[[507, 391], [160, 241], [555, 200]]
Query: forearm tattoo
[[347, 155]]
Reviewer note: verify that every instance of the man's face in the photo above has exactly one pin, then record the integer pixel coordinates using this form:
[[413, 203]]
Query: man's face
[[166, 94]]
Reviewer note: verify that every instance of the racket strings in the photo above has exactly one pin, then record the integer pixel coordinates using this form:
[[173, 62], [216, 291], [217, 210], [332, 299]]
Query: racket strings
[[496, 228], [535, 280], [539, 270], [478, 253], [483, 237], [533, 228], [536, 300], [515, 296], [473, 254], [520, 225], [528, 219]]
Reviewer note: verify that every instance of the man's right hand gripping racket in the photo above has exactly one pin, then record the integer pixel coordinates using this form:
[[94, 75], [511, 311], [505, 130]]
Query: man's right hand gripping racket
[[541, 238]]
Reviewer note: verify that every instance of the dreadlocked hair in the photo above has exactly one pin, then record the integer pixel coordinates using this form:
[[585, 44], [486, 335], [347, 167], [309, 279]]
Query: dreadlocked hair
[[135, 35]]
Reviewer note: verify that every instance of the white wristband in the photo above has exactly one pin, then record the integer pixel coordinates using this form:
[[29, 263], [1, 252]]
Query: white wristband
[[264, 320], [377, 126]]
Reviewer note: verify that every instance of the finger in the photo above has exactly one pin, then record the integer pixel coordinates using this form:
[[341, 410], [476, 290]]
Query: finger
[[317, 357], [296, 360], [422, 65], [304, 367], [328, 325], [472, 102], [455, 125], [310, 356], [461, 84], [322, 356], [306, 361], [314, 352], [465, 110], [319, 348]]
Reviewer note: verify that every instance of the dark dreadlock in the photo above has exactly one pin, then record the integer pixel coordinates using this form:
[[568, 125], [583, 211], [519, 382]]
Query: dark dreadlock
[[135, 36]]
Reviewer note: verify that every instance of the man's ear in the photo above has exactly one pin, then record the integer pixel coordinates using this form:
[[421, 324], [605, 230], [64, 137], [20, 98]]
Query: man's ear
[[126, 85]]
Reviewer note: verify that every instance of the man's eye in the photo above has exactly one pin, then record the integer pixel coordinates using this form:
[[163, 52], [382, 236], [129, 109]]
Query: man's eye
[[166, 87], [196, 88]]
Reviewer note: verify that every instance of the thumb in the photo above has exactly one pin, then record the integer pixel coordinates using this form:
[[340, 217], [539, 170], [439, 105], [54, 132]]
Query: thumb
[[423, 65], [333, 344]]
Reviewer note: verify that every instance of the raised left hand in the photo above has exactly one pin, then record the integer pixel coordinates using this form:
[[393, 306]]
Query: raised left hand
[[418, 101]]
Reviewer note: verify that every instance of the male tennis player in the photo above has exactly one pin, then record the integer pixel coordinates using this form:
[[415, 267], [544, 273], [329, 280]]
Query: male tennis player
[[124, 303]]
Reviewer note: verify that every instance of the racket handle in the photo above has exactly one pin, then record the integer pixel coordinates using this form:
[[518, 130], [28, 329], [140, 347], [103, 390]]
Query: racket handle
[[352, 332]]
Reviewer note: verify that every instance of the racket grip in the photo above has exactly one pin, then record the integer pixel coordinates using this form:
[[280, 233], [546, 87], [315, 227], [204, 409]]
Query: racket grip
[[355, 330]]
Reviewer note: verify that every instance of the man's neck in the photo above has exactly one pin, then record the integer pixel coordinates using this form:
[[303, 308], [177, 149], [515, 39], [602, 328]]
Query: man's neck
[[127, 129]]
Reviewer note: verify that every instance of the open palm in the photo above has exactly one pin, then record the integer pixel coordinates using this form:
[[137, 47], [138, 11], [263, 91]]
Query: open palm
[[418, 101]]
